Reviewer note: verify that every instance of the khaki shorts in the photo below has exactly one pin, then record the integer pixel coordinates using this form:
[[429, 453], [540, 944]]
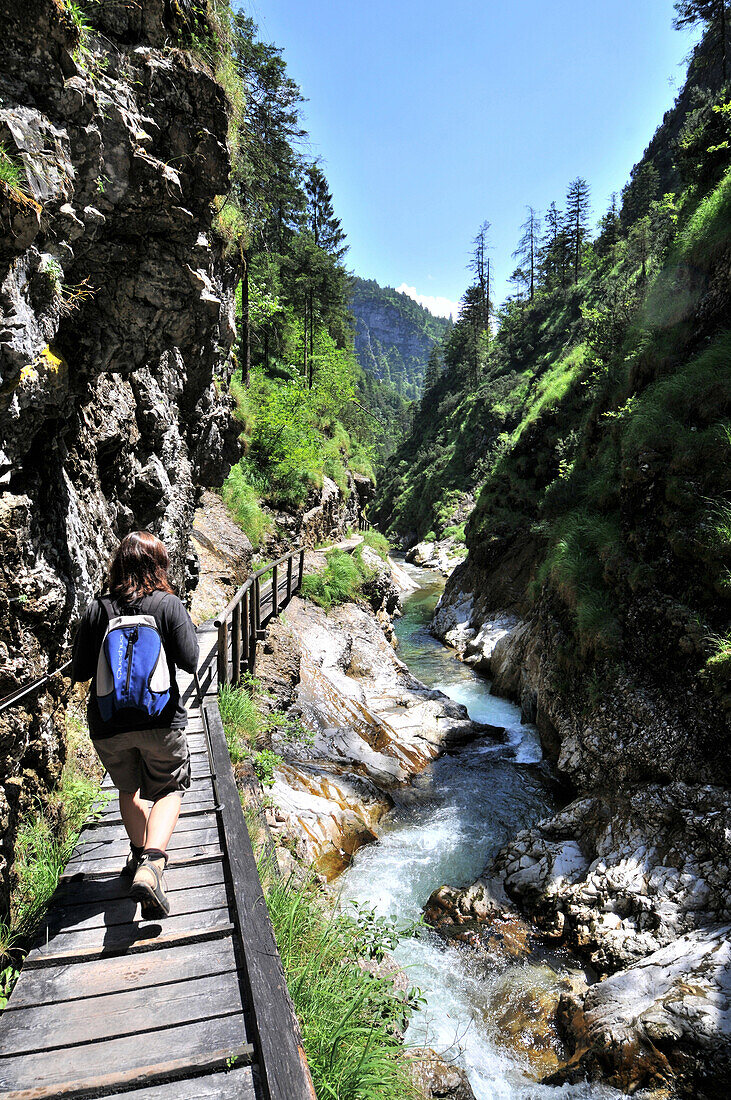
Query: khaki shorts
[[154, 762]]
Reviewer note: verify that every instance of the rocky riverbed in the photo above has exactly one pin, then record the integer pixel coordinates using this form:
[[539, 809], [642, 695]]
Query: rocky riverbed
[[374, 727], [634, 873]]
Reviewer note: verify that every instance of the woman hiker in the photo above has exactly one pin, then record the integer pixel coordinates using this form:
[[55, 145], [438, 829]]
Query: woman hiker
[[129, 644]]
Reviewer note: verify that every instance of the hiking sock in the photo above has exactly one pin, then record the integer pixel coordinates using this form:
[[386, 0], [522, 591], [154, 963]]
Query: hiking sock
[[155, 854]]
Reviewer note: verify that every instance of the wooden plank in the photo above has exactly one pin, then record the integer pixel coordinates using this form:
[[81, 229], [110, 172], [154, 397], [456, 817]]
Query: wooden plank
[[95, 1067], [236, 644], [95, 977], [76, 918], [233, 1084], [92, 846], [222, 652], [114, 1015], [111, 865], [101, 832], [191, 807], [85, 891], [139, 936], [282, 1058]]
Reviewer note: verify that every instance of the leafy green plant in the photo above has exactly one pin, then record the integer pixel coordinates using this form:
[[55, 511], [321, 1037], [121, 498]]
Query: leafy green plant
[[265, 761], [377, 542], [350, 1018], [242, 500], [48, 834], [11, 170]]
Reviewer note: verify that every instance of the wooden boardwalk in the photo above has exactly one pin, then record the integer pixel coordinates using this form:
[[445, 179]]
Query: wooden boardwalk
[[192, 1006]]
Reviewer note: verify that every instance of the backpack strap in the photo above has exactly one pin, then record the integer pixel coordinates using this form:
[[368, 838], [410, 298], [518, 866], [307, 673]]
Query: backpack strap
[[156, 599], [108, 607]]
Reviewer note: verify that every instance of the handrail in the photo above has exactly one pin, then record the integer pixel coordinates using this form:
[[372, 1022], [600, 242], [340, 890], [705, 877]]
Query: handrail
[[236, 598], [20, 693], [244, 613]]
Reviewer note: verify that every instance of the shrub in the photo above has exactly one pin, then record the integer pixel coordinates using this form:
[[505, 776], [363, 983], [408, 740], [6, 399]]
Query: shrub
[[377, 542]]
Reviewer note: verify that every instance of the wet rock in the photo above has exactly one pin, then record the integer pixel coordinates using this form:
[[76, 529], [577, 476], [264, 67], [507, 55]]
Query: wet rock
[[620, 877], [437, 1078], [442, 556], [663, 1022], [374, 727]]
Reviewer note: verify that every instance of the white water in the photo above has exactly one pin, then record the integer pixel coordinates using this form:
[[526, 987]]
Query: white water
[[470, 803]]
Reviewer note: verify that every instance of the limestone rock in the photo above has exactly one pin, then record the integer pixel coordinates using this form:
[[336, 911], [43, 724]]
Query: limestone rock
[[113, 358], [437, 1078], [666, 1020], [375, 726]]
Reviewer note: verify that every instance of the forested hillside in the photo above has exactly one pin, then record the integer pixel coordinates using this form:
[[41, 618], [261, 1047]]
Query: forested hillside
[[591, 410], [394, 335]]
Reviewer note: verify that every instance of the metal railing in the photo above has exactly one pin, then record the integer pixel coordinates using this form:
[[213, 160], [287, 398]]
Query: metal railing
[[243, 620], [15, 697], [364, 524]]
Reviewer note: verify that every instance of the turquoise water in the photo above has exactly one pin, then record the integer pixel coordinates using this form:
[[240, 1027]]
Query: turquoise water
[[470, 802]]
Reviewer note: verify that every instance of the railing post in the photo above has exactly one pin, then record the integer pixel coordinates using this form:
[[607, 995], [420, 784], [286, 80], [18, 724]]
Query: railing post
[[245, 627], [289, 578], [275, 592], [301, 569], [222, 655], [252, 630], [236, 645], [257, 603]]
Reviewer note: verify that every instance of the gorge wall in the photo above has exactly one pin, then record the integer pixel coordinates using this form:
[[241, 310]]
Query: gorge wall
[[116, 324]]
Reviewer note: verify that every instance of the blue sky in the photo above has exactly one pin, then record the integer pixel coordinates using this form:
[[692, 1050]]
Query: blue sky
[[431, 117]]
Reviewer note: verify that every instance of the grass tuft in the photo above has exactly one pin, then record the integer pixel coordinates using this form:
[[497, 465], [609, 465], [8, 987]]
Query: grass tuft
[[340, 581], [350, 1019]]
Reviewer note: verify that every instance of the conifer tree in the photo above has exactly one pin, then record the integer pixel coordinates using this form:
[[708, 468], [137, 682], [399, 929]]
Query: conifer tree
[[527, 252], [713, 16], [577, 220], [554, 248], [480, 265]]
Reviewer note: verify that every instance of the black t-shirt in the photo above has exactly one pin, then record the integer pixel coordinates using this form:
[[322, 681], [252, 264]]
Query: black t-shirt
[[181, 649]]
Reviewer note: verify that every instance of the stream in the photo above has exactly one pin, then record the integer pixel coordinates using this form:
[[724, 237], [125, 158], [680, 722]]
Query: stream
[[484, 1017]]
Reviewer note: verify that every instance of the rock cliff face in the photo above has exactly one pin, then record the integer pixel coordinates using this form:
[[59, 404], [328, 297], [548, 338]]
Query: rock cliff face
[[116, 322], [393, 335]]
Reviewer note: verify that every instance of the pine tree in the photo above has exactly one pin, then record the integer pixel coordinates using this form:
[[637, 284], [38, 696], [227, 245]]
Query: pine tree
[[326, 229], [577, 220], [480, 265], [553, 255], [713, 16], [527, 252]]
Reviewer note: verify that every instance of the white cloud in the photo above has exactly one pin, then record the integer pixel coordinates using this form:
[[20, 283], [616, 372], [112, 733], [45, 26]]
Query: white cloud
[[440, 307]]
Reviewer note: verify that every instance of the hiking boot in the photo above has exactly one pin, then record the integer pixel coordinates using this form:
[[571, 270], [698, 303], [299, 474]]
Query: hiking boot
[[133, 861], [148, 887]]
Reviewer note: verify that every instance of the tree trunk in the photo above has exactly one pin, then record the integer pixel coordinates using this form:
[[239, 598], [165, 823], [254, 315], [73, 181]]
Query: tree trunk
[[312, 342], [722, 12], [245, 339]]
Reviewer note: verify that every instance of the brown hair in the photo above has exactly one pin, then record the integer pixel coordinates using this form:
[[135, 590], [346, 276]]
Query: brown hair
[[140, 566]]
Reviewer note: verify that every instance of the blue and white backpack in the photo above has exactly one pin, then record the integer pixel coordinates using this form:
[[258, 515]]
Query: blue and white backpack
[[132, 672]]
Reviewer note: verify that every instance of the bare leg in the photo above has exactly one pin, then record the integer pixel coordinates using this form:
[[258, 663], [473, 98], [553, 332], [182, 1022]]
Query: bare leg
[[162, 820], [134, 815]]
